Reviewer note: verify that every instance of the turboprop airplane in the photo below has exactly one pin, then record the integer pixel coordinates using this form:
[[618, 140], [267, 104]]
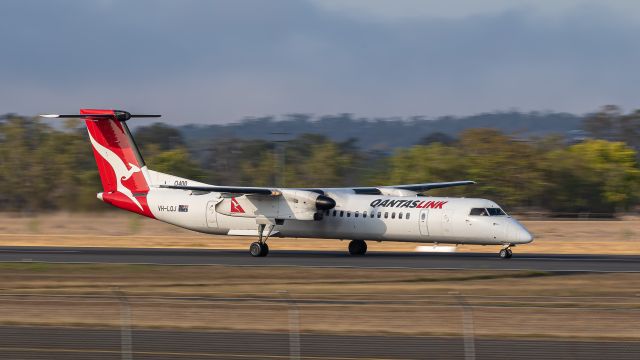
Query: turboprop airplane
[[358, 214]]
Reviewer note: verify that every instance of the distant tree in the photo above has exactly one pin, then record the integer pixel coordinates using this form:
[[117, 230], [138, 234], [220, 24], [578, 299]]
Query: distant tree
[[326, 165], [602, 124], [261, 170], [629, 129], [594, 176], [437, 137], [234, 161], [505, 170], [425, 163], [43, 168], [158, 137], [176, 162], [18, 137]]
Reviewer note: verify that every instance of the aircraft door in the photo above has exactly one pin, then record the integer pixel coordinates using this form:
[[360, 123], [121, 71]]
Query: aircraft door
[[424, 216], [212, 214], [447, 223]]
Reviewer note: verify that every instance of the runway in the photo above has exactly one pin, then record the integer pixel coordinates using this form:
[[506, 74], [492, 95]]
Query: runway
[[485, 261], [74, 343]]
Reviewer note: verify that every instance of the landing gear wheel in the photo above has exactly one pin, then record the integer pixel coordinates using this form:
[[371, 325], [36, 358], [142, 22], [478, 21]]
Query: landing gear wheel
[[258, 249], [357, 247], [265, 250], [505, 253]]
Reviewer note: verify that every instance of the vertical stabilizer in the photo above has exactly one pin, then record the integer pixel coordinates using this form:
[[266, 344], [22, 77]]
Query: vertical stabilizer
[[121, 167]]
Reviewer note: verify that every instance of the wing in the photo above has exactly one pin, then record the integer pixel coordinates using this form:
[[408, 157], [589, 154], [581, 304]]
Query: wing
[[379, 190], [374, 190], [429, 186], [227, 189]]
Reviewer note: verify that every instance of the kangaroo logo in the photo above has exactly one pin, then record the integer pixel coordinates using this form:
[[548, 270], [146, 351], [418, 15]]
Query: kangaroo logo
[[235, 206], [119, 167]]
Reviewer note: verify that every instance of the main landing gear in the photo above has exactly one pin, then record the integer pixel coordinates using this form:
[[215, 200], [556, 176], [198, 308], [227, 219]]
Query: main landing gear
[[357, 247], [505, 252], [260, 247]]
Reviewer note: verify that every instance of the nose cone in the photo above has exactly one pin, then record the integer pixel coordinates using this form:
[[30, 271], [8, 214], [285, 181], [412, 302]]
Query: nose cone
[[521, 234]]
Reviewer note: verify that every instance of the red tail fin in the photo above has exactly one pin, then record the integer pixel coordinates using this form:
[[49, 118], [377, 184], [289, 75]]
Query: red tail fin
[[121, 167]]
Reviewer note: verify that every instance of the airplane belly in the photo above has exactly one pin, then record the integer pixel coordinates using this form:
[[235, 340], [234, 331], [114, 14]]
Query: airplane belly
[[228, 223]]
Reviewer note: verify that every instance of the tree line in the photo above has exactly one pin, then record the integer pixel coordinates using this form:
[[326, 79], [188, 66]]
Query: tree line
[[43, 168]]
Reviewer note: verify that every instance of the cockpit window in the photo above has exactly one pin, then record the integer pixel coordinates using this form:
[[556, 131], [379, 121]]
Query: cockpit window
[[487, 212], [495, 212], [478, 212]]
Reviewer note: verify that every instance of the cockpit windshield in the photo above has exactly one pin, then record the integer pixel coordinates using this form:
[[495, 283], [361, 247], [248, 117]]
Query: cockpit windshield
[[495, 212], [487, 212]]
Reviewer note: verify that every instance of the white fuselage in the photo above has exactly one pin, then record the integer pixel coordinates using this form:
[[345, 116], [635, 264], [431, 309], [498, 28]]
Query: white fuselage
[[362, 217]]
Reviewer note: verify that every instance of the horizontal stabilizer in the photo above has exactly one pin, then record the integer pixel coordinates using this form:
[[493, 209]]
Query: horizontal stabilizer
[[117, 114]]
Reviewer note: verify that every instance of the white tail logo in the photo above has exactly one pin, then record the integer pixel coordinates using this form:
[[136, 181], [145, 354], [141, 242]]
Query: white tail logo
[[119, 167]]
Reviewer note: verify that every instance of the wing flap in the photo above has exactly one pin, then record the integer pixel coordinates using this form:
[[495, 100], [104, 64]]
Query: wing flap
[[227, 189]]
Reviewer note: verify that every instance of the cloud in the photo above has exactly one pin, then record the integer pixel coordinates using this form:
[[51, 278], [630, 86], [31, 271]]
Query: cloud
[[402, 10], [218, 61]]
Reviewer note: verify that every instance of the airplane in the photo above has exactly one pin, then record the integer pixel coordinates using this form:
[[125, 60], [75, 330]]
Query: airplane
[[359, 214]]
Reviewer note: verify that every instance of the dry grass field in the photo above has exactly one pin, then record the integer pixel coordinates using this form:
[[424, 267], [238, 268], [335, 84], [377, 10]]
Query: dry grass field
[[356, 301], [118, 229], [504, 304]]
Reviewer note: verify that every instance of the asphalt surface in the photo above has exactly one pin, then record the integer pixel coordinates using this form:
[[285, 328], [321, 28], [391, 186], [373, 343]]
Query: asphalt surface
[[542, 262], [17, 342]]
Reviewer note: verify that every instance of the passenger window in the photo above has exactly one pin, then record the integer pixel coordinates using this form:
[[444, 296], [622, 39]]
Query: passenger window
[[393, 215], [386, 215], [341, 213], [348, 213], [357, 213], [334, 213], [379, 215], [364, 214], [408, 216], [478, 212], [400, 216]]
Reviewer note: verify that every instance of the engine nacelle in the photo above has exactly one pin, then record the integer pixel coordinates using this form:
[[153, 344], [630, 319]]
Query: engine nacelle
[[291, 204], [303, 205]]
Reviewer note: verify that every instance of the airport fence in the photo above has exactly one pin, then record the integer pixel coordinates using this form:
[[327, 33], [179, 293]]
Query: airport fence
[[280, 325]]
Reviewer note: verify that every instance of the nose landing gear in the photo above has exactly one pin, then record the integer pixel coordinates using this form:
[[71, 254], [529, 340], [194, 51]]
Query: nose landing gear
[[357, 247], [505, 252]]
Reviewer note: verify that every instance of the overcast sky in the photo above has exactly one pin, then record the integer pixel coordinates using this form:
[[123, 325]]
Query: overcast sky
[[220, 61]]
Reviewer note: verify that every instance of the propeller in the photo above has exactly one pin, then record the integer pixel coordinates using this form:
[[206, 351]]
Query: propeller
[[119, 114]]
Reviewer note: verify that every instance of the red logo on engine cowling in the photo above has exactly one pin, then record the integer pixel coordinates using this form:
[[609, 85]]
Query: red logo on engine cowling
[[235, 206]]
